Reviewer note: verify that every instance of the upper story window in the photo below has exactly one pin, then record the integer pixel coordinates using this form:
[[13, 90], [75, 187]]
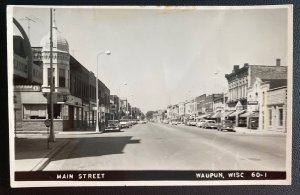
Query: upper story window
[[62, 77], [49, 76]]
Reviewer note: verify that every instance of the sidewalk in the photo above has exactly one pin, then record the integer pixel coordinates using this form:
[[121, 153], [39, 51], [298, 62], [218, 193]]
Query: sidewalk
[[32, 153], [245, 130]]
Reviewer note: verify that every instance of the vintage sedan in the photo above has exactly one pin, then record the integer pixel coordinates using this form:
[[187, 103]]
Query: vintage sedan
[[113, 125], [226, 125], [124, 123], [211, 124], [200, 123]]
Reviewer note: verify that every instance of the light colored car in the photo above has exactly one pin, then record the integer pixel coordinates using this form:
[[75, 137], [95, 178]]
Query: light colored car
[[210, 124], [200, 123], [124, 123], [166, 121], [192, 123], [174, 122]]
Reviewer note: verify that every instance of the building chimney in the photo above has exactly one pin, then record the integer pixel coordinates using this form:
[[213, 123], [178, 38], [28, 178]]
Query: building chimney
[[278, 62], [246, 64], [235, 68]]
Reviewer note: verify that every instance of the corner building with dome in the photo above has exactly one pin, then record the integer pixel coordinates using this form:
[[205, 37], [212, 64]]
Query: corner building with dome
[[74, 90]]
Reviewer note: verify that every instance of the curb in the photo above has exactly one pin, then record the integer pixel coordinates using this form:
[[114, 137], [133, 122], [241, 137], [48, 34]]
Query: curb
[[260, 133], [46, 160]]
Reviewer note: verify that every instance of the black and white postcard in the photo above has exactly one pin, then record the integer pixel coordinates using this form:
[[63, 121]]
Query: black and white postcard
[[150, 95]]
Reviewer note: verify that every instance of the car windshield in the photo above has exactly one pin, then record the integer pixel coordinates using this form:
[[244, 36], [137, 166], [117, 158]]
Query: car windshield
[[211, 121], [123, 120]]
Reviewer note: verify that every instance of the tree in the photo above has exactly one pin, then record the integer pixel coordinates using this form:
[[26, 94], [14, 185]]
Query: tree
[[149, 115]]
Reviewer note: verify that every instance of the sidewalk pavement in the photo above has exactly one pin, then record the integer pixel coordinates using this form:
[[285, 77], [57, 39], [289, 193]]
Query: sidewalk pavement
[[32, 153], [245, 130]]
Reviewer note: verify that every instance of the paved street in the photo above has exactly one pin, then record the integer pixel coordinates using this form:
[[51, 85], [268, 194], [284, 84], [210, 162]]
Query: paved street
[[156, 146]]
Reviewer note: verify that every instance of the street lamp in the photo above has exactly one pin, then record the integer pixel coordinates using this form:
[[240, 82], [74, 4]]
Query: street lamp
[[224, 91], [120, 85], [97, 99]]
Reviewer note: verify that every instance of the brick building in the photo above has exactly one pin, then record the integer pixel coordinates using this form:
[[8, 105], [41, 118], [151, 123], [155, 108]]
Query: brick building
[[74, 86], [200, 104], [181, 111], [276, 110], [257, 101], [114, 107], [209, 102], [243, 78]]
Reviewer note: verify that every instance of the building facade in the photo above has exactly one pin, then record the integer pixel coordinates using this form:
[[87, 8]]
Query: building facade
[[74, 88], [241, 79], [276, 112]]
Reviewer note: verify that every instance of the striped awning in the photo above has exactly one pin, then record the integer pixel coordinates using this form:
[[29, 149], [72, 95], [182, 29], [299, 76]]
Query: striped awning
[[227, 113], [216, 115], [203, 116], [238, 112], [251, 115], [245, 114]]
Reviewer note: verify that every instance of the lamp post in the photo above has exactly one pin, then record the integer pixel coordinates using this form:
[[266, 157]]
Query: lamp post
[[97, 98], [121, 84], [224, 90]]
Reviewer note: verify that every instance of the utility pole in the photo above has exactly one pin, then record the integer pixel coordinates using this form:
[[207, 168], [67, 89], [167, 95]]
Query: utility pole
[[51, 134]]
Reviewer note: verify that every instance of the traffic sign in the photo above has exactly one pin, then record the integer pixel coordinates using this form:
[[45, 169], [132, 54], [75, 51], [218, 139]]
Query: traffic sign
[[47, 123]]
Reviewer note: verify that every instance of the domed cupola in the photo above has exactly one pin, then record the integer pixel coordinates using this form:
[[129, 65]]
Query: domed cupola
[[60, 62], [60, 44]]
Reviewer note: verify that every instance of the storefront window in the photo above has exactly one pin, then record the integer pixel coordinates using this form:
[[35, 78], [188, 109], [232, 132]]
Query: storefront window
[[80, 113], [57, 111], [49, 76], [62, 77], [280, 117], [75, 113], [65, 112], [34, 111], [270, 117]]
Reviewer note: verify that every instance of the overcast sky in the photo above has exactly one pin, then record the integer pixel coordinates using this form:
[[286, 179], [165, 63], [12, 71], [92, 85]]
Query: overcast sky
[[165, 55]]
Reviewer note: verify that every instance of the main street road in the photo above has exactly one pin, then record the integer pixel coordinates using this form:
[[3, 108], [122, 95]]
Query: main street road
[[156, 146]]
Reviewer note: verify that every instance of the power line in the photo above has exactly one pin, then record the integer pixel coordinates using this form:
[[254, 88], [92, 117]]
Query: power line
[[29, 20]]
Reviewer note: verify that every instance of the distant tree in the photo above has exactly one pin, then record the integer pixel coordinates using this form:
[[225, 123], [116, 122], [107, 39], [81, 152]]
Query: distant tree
[[149, 115], [142, 116]]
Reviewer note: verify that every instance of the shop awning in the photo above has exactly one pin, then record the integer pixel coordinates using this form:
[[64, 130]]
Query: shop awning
[[238, 112], [227, 113], [254, 115], [216, 115], [245, 114], [203, 116]]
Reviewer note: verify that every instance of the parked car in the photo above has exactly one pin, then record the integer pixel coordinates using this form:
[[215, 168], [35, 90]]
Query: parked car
[[124, 123], [210, 124], [166, 121], [131, 123], [174, 122], [180, 123], [200, 123], [226, 125], [134, 122], [192, 123], [113, 125]]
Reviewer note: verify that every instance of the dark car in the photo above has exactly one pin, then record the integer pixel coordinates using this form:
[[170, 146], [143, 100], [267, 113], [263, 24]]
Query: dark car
[[113, 125], [226, 125]]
